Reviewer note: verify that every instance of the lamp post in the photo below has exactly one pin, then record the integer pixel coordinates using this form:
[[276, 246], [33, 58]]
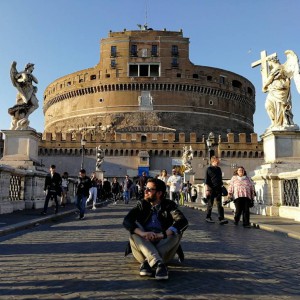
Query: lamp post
[[209, 143], [83, 142]]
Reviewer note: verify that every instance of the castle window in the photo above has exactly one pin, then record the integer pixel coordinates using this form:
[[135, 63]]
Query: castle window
[[236, 83], [133, 70], [154, 50], [113, 51], [174, 50], [93, 77], [195, 76], [154, 70], [107, 75], [113, 63], [144, 70], [222, 79], [178, 75], [209, 78], [174, 62], [133, 50]]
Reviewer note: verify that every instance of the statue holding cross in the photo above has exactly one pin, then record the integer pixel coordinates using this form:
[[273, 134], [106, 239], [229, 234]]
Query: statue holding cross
[[276, 80]]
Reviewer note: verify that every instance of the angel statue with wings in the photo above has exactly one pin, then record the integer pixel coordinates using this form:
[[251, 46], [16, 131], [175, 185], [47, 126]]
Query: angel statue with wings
[[277, 82], [26, 101]]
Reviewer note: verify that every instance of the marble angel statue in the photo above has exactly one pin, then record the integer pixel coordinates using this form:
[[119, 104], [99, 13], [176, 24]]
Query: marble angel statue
[[100, 158], [187, 157], [277, 83], [26, 101]]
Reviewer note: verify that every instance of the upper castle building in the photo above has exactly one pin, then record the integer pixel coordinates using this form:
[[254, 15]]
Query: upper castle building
[[145, 82]]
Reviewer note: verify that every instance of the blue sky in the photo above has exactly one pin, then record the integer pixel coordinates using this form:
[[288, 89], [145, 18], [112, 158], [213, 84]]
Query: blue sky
[[63, 36]]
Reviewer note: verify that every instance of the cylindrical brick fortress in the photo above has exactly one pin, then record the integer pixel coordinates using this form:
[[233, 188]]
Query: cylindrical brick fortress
[[145, 78]]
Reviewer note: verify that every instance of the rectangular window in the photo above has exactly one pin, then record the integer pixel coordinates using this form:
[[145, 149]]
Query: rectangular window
[[174, 62], [154, 50], [113, 51], [174, 50], [113, 63], [133, 70], [133, 50], [154, 70], [144, 70]]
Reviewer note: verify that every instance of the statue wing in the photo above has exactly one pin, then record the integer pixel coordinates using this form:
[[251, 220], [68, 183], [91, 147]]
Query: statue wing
[[291, 67], [14, 74]]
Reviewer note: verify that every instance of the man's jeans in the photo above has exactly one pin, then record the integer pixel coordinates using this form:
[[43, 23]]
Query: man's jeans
[[80, 204]]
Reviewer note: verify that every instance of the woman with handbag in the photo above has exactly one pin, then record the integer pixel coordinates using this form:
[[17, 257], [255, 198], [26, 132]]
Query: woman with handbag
[[241, 189]]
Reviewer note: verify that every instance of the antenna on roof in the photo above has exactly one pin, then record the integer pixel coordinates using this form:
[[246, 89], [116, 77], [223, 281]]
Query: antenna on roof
[[146, 14], [145, 26]]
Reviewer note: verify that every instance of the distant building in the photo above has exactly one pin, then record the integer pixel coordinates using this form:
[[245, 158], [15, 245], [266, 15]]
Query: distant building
[[142, 103]]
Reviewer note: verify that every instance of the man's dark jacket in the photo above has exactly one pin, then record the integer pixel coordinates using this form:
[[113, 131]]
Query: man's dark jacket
[[168, 215], [53, 184], [83, 186]]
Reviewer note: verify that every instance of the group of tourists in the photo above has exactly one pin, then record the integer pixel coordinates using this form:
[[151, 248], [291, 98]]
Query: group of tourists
[[156, 224]]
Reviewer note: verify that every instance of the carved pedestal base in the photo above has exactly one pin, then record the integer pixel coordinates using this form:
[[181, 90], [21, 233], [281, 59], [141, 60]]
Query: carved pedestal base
[[21, 148]]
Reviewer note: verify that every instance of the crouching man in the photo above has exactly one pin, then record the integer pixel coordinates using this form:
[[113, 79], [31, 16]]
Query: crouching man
[[156, 226]]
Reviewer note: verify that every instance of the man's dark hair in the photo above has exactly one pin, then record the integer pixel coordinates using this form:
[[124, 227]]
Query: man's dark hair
[[53, 167], [82, 171], [159, 185]]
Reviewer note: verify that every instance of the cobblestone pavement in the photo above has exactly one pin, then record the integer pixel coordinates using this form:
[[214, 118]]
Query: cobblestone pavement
[[72, 259]]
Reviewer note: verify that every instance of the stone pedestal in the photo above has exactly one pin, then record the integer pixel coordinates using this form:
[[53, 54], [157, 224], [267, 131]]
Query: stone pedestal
[[100, 174], [21, 148], [281, 146], [189, 176], [282, 160]]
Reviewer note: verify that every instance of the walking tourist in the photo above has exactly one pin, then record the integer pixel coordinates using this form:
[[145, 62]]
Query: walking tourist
[[93, 190], [52, 188], [141, 185], [82, 192], [241, 189], [156, 226], [127, 183], [115, 189], [174, 182], [213, 185]]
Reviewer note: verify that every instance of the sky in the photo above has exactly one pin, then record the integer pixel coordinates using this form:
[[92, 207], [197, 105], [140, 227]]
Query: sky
[[63, 36]]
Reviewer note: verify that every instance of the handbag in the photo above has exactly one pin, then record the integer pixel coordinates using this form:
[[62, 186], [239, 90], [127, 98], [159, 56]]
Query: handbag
[[224, 191]]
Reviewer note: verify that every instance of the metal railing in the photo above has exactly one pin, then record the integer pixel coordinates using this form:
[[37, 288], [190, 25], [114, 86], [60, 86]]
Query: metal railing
[[290, 192]]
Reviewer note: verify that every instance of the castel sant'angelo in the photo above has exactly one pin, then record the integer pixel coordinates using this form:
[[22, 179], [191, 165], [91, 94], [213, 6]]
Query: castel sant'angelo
[[142, 103]]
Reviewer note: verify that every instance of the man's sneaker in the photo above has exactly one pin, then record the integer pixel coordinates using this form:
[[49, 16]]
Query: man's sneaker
[[145, 269], [81, 218], [222, 222], [209, 220], [94, 207], [161, 272]]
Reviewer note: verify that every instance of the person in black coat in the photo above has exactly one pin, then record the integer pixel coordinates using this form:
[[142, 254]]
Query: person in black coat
[[52, 188], [84, 184], [156, 226]]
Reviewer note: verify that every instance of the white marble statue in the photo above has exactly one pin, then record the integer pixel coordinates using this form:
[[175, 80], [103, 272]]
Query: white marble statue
[[100, 158], [26, 101], [187, 158], [276, 79]]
